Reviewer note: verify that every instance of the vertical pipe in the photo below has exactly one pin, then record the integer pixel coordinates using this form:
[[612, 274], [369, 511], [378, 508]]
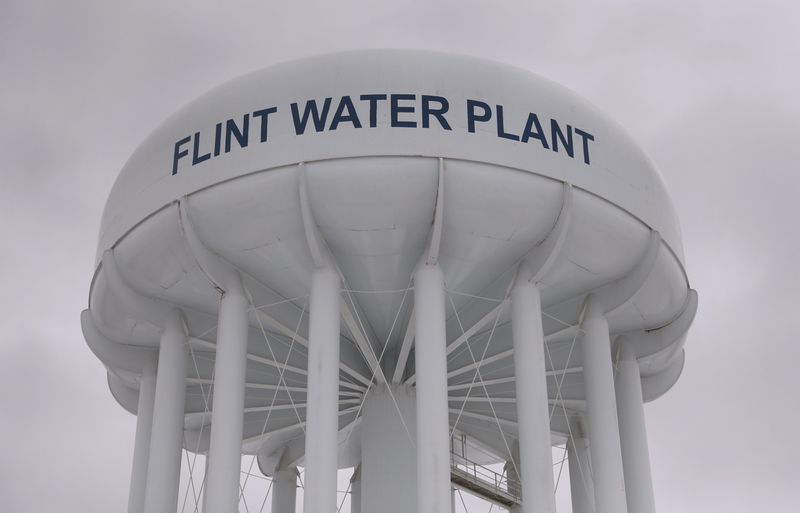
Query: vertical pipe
[[601, 411], [227, 417], [284, 490], [535, 464], [355, 491], [166, 439], [433, 461], [633, 433], [512, 477], [141, 448], [205, 482], [323, 393], [580, 477]]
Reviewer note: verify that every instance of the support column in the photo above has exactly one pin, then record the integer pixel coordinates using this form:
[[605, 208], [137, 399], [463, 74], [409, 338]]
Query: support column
[[633, 433], [284, 490], [227, 417], [166, 439], [355, 491], [533, 416], [388, 458], [601, 411], [205, 482], [512, 477], [141, 448], [433, 423], [323, 393], [580, 477]]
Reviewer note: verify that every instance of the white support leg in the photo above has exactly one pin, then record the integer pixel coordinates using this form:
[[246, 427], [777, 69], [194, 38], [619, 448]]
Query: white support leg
[[141, 448], [388, 459], [633, 434], [433, 459], [284, 490], [580, 477], [355, 491], [601, 411], [222, 482], [322, 426], [512, 476], [536, 461], [166, 439]]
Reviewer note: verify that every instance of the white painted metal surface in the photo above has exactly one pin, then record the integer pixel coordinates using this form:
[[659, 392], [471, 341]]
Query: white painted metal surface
[[535, 463], [222, 484], [363, 169], [433, 453], [601, 411], [164, 461], [323, 393], [632, 431], [141, 446]]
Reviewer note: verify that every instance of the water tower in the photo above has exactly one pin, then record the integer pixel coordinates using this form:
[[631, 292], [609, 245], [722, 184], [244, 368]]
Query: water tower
[[410, 263]]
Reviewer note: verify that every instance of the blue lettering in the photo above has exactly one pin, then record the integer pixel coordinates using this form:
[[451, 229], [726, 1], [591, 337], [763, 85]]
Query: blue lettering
[[373, 107], [339, 117], [472, 117], [396, 110], [240, 135], [427, 111], [264, 115], [501, 132], [528, 133], [557, 134], [179, 154], [196, 158], [310, 109], [586, 138], [217, 138]]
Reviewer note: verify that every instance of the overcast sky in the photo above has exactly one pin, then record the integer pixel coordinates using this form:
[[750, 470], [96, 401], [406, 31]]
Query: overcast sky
[[709, 88]]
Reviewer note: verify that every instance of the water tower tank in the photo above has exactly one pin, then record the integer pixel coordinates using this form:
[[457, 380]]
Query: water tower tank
[[400, 261]]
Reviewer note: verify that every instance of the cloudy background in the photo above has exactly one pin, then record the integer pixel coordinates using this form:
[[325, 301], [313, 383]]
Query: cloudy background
[[709, 88]]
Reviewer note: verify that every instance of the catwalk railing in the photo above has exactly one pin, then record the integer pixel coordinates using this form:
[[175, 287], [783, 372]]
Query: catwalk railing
[[483, 481]]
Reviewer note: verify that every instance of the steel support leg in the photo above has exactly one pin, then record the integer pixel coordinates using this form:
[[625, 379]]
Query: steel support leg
[[633, 434], [222, 482], [433, 459], [284, 490], [323, 393], [355, 491], [141, 448], [601, 411], [512, 477], [166, 439], [536, 461], [580, 477]]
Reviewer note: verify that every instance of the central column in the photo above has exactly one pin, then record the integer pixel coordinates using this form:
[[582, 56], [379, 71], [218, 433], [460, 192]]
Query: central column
[[166, 439], [388, 459], [433, 458], [227, 417], [322, 415], [601, 411], [141, 448], [535, 463], [284, 490], [632, 432]]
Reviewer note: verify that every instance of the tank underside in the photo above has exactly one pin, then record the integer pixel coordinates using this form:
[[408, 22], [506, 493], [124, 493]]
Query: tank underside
[[376, 216]]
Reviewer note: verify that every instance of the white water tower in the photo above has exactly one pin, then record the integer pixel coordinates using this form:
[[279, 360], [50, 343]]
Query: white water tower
[[411, 263]]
